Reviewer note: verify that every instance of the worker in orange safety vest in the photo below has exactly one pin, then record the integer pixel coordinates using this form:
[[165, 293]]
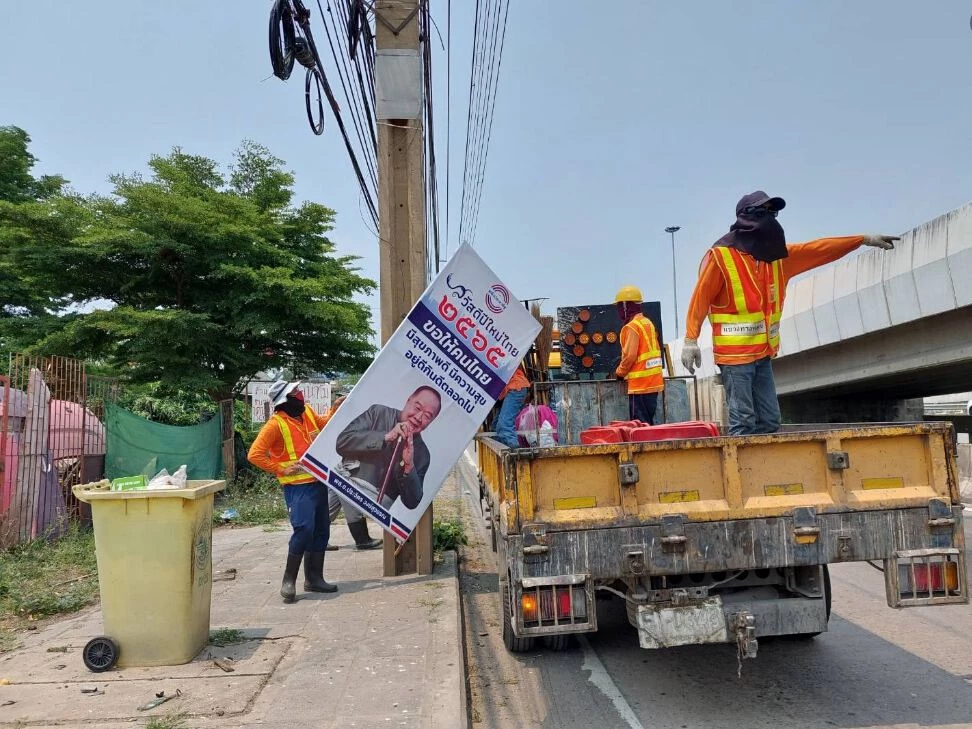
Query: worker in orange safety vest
[[641, 358], [511, 401], [741, 289], [281, 442]]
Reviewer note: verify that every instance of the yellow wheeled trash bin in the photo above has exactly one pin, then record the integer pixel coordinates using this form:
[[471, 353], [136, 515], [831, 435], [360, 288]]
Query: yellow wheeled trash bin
[[155, 572]]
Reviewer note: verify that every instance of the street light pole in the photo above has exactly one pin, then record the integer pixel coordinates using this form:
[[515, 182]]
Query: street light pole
[[673, 229]]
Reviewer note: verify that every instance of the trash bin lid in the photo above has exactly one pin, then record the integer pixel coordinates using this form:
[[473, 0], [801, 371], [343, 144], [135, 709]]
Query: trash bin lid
[[193, 490]]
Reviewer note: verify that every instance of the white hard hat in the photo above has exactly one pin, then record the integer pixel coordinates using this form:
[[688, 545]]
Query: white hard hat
[[279, 390]]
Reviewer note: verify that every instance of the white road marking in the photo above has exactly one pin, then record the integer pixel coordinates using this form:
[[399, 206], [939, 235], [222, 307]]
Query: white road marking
[[605, 684], [598, 673]]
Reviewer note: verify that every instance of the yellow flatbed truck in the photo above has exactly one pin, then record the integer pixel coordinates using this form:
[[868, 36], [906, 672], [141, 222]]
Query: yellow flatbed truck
[[723, 539]]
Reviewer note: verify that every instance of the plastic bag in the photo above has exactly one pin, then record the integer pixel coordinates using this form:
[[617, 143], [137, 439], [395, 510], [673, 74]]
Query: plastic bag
[[537, 425], [163, 480]]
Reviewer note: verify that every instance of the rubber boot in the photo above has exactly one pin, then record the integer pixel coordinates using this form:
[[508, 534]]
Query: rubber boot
[[288, 588], [314, 573], [362, 540]]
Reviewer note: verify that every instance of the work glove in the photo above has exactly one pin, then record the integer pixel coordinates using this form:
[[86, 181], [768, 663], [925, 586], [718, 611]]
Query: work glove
[[691, 355], [881, 241]]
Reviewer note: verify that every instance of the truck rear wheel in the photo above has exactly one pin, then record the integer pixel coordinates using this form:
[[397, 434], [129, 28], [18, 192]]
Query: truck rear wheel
[[827, 598], [513, 643]]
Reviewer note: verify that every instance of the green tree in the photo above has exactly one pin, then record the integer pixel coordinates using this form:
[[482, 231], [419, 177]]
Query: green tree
[[32, 209], [25, 204], [209, 278]]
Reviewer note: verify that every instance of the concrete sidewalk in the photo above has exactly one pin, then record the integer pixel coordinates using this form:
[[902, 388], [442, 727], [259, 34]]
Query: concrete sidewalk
[[381, 652]]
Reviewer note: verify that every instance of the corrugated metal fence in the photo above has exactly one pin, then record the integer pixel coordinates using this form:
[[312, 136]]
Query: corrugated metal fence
[[51, 437]]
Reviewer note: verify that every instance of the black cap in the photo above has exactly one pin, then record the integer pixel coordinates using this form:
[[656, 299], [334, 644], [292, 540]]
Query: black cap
[[758, 199]]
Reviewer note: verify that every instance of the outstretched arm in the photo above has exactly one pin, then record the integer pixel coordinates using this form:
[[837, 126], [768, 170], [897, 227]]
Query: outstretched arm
[[805, 256]]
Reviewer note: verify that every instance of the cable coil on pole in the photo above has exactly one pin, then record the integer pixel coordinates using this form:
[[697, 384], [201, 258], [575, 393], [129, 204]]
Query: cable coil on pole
[[314, 77], [282, 39]]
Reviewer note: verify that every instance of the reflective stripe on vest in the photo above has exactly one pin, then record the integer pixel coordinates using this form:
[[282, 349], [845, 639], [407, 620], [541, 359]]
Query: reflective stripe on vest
[[310, 425], [749, 326], [646, 375]]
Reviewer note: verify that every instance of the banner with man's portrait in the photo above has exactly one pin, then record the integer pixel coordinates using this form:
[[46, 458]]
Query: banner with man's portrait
[[390, 445]]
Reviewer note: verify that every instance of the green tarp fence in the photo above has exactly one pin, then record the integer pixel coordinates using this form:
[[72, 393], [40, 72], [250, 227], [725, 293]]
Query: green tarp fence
[[137, 446]]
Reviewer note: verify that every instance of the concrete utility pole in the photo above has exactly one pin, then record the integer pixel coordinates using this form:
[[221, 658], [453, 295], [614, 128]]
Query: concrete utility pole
[[401, 208], [673, 229]]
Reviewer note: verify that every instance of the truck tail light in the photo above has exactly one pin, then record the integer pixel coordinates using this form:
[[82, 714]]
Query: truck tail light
[[554, 604], [926, 577], [529, 605]]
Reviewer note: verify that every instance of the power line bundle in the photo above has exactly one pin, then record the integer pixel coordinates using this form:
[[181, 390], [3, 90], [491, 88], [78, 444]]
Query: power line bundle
[[488, 39], [350, 22], [291, 39]]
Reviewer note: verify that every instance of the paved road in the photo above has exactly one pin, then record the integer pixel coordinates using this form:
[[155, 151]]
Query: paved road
[[876, 667]]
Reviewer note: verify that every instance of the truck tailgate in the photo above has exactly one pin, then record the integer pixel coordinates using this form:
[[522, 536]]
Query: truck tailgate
[[847, 468]]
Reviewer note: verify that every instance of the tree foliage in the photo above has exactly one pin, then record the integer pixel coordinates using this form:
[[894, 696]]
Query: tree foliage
[[25, 204], [198, 279]]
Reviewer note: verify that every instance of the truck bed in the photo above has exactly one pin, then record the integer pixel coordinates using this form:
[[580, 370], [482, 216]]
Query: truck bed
[[839, 470]]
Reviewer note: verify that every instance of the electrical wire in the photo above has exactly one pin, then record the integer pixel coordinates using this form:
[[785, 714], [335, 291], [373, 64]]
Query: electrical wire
[[448, 174], [433, 252], [489, 127], [489, 35], [354, 64], [294, 14], [341, 64]]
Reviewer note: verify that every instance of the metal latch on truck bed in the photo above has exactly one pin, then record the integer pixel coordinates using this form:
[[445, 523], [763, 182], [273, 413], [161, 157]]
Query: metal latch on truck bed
[[628, 473], [673, 533], [838, 460], [940, 513], [805, 528], [535, 547]]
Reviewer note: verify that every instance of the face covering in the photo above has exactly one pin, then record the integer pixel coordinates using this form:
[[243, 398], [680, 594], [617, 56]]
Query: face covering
[[292, 407], [760, 237]]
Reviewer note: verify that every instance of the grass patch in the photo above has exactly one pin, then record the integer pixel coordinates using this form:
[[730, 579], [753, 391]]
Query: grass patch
[[448, 534], [226, 636], [44, 578], [171, 721], [256, 497], [8, 640]]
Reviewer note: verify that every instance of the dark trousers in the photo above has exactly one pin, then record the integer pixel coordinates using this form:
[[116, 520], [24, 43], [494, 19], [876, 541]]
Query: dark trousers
[[307, 507], [642, 407]]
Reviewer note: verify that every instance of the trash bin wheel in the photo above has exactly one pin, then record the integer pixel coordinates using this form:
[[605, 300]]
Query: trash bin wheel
[[100, 654]]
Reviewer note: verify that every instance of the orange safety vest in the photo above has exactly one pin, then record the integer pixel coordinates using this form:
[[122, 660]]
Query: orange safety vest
[[748, 327], [645, 375], [296, 440], [518, 381]]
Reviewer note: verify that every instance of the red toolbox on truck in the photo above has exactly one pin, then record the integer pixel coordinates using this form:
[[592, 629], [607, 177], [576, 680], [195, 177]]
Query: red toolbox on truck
[[626, 426], [599, 434], [674, 431]]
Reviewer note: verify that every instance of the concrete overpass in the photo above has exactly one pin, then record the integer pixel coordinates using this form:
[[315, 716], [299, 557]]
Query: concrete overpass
[[872, 331]]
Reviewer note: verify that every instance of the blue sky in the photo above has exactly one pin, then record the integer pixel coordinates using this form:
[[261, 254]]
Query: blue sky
[[613, 120]]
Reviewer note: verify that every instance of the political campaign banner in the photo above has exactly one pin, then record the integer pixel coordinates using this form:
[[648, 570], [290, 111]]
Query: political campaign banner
[[390, 445]]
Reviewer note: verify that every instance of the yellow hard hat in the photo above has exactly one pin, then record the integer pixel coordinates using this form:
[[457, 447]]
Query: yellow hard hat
[[628, 293]]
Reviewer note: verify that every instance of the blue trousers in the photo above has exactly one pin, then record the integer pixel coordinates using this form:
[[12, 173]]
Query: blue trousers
[[505, 423], [307, 507], [642, 407], [751, 395]]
